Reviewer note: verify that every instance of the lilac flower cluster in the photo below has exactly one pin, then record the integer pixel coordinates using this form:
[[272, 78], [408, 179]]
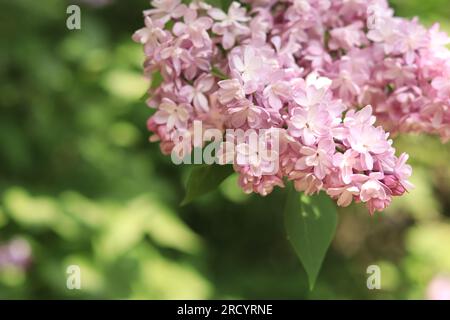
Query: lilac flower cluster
[[16, 253], [318, 72]]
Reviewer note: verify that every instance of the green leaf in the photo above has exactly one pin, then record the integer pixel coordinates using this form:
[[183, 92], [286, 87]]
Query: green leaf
[[222, 4], [204, 179], [144, 97], [310, 223], [218, 73], [157, 79]]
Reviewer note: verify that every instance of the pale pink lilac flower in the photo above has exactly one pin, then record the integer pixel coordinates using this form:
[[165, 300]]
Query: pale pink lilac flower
[[311, 92], [275, 93], [248, 66], [230, 90], [172, 115], [319, 158], [367, 141], [152, 35], [344, 194], [164, 10], [197, 94], [258, 160], [230, 25], [309, 124], [193, 28], [348, 37], [245, 114]]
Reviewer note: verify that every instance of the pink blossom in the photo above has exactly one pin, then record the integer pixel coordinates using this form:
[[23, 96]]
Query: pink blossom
[[317, 55], [363, 117], [231, 24], [302, 69], [412, 37], [309, 125], [199, 5], [262, 185], [399, 73], [308, 183], [248, 66], [259, 160], [164, 10], [199, 61], [442, 87], [245, 114], [371, 186], [197, 93], [394, 185], [176, 56], [344, 194], [230, 90], [172, 115], [193, 28], [152, 35], [403, 171], [349, 75], [319, 158], [346, 162], [311, 92], [377, 204], [260, 26], [275, 94], [348, 37], [385, 32], [368, 141]]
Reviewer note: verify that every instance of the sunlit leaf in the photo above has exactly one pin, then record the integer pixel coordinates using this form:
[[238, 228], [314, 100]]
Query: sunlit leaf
[[310, 223]]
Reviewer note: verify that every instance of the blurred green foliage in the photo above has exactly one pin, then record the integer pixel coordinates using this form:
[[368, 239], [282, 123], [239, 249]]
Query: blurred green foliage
[[82, 184]]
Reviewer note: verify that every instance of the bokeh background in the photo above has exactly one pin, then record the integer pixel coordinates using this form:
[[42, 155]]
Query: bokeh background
[[81, 185]]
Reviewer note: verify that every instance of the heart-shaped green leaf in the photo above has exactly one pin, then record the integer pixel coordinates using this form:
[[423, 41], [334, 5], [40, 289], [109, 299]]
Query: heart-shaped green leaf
[[204, 179], [310, 223]]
